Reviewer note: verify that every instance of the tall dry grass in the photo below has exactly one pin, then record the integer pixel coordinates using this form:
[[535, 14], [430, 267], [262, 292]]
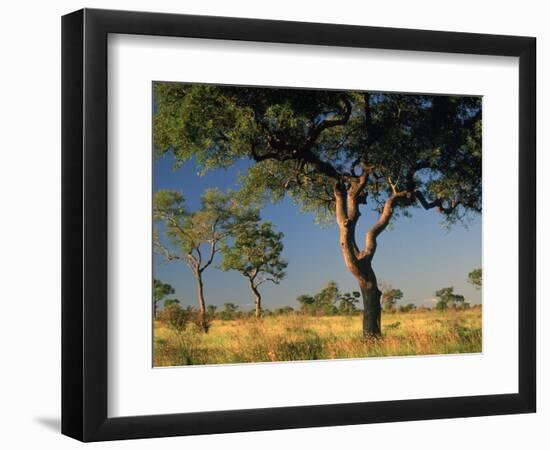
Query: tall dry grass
[[299, 337]]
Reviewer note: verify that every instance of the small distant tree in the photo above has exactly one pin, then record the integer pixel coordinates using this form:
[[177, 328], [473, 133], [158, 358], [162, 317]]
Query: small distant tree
[[211, 310], [407, 308], [326, 299], [195, 237], [160, 291], [307, 303], [256, 254], [229, 311], [321, 304], [285, 310], [475, 278], [176, 317], [390, 296], [446, 298], [347, 303], [171, 301], [462, 305]]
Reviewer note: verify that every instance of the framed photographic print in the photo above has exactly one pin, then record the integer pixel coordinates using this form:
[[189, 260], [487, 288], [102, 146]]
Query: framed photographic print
[[266, 224]]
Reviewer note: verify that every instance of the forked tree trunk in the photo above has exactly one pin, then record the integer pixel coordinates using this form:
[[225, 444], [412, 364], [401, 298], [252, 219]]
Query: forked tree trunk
[[257, 297], [202, 303], [360, 263]]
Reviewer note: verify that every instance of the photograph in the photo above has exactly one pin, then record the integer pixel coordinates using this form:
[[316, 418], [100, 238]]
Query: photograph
[[299, 224]]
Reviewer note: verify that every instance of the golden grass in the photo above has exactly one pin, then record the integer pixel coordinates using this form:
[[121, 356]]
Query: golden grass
[[298, 337]]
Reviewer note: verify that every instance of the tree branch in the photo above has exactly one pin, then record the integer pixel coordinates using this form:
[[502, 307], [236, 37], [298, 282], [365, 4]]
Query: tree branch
[[286, 152], [383, 221], [160, 249], [437, 203], [266, 279], [213, 251], [329, 123]]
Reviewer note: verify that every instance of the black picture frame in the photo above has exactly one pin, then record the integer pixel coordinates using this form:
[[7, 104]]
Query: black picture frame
[[84, 224]]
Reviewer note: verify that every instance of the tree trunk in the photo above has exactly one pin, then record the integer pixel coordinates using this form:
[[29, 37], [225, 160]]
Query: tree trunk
[[371, 303], [257, 297], [202, 304], [155, 307], [372, 309], [359, 265]]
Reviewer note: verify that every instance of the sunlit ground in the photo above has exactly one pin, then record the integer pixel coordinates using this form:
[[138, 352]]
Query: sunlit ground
[[299, 337]]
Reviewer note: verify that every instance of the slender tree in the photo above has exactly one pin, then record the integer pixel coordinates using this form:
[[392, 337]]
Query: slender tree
[[195, 237], [475, 278], [230, 311], [255, 252], [334, 152], [160, 292]]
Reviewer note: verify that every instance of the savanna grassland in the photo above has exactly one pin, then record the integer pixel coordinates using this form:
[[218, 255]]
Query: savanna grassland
[[295, 337]]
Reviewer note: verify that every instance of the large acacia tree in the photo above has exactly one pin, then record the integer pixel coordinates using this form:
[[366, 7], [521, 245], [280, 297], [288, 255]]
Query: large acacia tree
[[334, 153]]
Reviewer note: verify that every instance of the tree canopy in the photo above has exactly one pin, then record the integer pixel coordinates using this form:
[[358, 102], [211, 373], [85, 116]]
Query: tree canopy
[[390, 296], [423, 150], [475, 278], [447, 298], [160, 292], [255, 252], [188, 232]]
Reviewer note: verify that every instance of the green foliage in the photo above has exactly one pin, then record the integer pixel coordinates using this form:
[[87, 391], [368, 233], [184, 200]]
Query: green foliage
[[187, 231], [407, 308], [475, 278], [329, 302], [181, 320], [446, 298], [255, 252], [229, 311], [347, 303], [176, 317], [285, 310], [390, 296], [321, 304], [171, 301], [160, 291], [304, 140]]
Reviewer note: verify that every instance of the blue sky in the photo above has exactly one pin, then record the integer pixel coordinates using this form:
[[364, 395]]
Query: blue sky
[[417, 256]]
